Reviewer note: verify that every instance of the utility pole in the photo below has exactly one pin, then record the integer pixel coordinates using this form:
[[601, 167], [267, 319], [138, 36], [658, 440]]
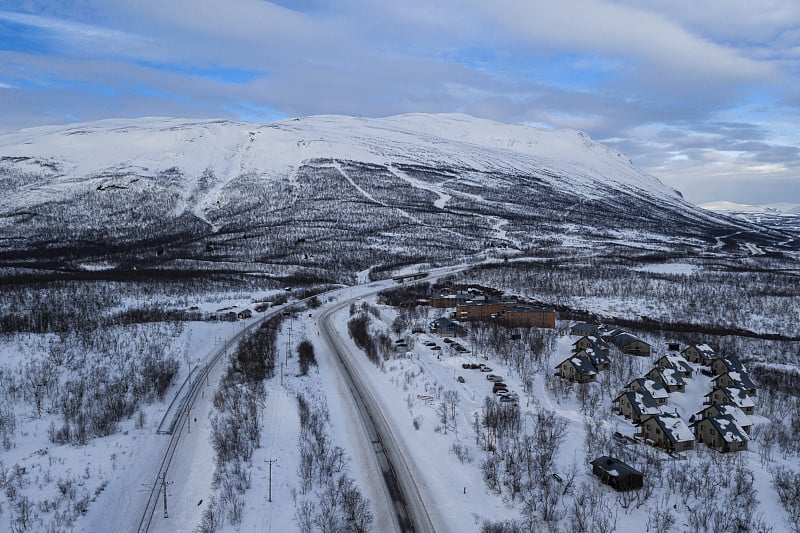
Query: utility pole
[[164, 488], [288, 342], [270, 461]]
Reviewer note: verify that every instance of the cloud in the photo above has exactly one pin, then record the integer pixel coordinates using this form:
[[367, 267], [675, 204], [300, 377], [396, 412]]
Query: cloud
[[685, 90]]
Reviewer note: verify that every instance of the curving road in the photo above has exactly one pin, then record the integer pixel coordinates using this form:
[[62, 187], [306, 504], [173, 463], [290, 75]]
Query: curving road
[[410, 511]]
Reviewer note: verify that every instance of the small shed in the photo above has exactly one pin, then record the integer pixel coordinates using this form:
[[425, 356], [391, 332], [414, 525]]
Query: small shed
[[617, 474]]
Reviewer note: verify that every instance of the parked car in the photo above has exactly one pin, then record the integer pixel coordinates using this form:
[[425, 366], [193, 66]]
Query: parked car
[[494, 377], [500, 392], [466, 366], [475, 366], [429, 343], [498, 386], [434, 347], [447, 341], [509, 399], [484, 368], [461, 379]]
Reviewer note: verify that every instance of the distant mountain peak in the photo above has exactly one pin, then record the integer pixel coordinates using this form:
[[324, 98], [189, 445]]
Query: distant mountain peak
[[732, 207]]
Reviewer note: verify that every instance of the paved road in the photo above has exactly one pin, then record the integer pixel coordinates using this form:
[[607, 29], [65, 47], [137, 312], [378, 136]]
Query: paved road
[[409, 508]]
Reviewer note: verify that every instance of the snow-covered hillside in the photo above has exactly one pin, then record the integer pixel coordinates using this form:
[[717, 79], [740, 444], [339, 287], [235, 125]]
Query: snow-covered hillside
[[317, 192]]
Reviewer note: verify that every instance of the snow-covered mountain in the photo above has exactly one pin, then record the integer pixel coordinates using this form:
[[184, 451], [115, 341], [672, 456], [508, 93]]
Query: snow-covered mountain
[[733, 207], [330, 192]]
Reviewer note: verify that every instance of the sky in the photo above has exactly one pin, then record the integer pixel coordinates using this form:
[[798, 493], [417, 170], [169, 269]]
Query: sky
[[703, 95]]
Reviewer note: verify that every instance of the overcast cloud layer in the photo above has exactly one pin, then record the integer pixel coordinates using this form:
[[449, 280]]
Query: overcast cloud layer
[[705, 98]]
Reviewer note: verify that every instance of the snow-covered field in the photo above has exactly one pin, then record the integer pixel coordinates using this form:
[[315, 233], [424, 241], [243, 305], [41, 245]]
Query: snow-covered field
[[96, 486]]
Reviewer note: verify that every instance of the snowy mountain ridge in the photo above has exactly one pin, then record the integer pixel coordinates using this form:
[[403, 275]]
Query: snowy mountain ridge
[[148, 146], [727, 207], [309, 191]]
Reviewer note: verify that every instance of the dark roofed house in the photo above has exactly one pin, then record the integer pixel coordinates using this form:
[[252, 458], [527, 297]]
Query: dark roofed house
[[617, 474], [245, 313], [734, 378], [584, 328], [607, 334], [678, 363], [732, 395], [670, 378], [598, 358], [699, 353], [667, 431], [654, 387], [730, 363], [445, 327], [729, 409], [722, 433], [590, 341], [577, 368], [630, 344], [635, 405]]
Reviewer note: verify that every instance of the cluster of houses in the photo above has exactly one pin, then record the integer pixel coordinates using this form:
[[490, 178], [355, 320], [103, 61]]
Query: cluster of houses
[[475, 305], [591, 352], [722, 424]]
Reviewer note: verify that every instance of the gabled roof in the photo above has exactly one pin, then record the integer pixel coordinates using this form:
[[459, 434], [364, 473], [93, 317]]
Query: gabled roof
[[677, 362], [742, 379], [704, 349], [735, 395], [641, 401], [585, 328], [444, 323], [614, 467], [597, 357], [669, 376], [655, 388], [583, 365], [673, 426], [732, 410], [727, 428], [595, 341], [732, 362], [624, 338]]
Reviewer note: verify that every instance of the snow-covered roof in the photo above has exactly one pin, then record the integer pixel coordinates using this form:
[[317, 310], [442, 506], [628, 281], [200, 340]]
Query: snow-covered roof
[[742, 379], [614, 467], [732, 362], [623, 338], [675, 429], [585, 328], [583, 365], [677, 362], [669, 376], [736, 395], [728, 429], [597, 357], [706, 351], [655, 388], [733, 411], [642, 402]]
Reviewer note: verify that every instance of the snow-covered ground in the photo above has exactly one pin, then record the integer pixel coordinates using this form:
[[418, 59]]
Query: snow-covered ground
[[412, 387]]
